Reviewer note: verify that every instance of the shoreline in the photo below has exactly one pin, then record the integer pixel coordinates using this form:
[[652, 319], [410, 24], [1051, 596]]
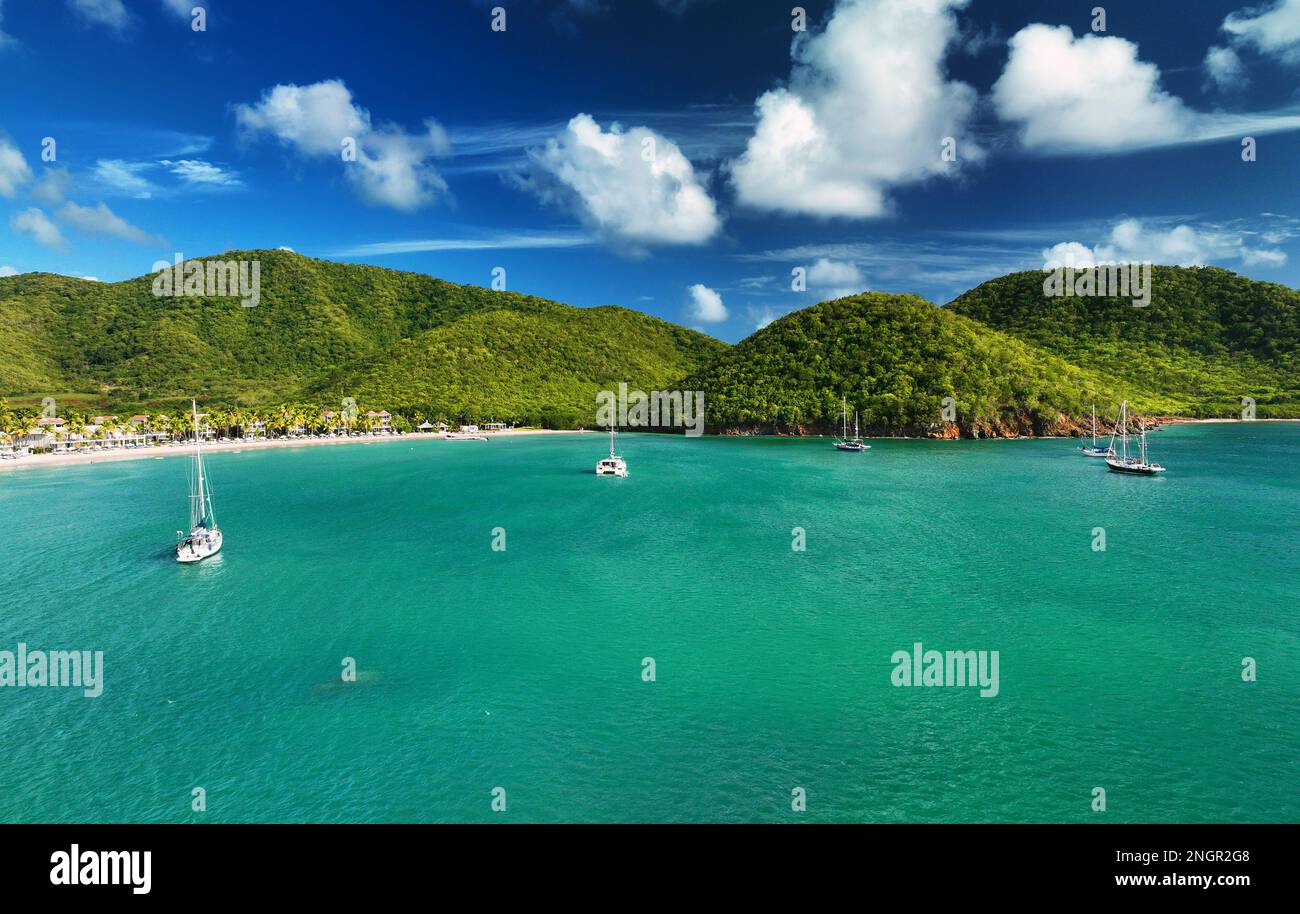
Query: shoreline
[[32, 461]]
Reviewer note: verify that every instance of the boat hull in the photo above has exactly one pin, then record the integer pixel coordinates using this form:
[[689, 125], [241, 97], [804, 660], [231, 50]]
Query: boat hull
[[1090, 452], [191, 551], [612, 467], [1130, 469], [852, 448]]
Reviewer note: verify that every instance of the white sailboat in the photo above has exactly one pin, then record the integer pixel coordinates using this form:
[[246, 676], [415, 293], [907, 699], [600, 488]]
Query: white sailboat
[[204, 538], [1095, 449], [854, 444], [613, 465], [1121, 461]]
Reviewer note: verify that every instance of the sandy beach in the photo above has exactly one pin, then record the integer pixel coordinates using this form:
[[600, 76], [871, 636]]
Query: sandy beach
[[34, 461]]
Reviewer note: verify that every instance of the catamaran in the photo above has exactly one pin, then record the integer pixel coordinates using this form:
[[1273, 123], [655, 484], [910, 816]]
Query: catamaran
[[1121, 462], [613, 465], [846, 443], [1095, 449], [205, 536]]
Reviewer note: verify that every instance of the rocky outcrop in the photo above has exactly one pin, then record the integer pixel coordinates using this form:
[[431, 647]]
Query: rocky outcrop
[[1027, 425]]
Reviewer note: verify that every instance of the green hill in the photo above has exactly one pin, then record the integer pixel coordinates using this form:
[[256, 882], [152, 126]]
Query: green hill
[[1208, 338], [324, 330], [895, 357], [1013, 360], [545, 365]]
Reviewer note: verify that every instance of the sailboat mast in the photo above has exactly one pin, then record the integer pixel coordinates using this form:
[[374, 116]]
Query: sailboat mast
[[198, 464], [1094, 425], [1123, 419]]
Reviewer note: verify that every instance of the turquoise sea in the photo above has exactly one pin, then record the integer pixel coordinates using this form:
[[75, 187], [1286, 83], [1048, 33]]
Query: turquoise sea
[[522, 668]]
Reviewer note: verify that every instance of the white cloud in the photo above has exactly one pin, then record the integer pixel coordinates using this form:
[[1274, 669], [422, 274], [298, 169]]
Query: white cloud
[[100, 220], [110, 13], [182, 8], [506, 241], [35, 223], [197, 171], [125, 178], [632, 188], [1273, 29], [867, 109], [7, 270], [1224, 69], [706, 305], [835, 278], [53, 186], [392, 167], [5, 39], [1136, 241], [1089, 93], [14, 170], [764, 316], [314, 119], [1093, 95]]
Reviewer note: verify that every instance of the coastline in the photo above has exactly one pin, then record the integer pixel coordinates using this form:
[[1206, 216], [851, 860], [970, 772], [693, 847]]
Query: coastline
[[33, 461], [159, 453]]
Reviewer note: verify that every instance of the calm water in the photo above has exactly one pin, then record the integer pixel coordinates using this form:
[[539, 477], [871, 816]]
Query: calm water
[[522, 669]]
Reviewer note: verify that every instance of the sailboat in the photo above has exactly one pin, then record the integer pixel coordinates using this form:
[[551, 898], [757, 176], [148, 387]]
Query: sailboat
[[1095, 449], [1121, 461], [846, 443], [613, 465], [205, 536]]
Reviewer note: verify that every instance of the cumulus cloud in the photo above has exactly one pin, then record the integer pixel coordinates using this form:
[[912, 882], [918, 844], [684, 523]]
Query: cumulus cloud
[[706, 305], [1089, 93], [835, 278], [868, 108], [391, 167], [632, 188], [100, 220], [1136, 241], [109, 13], [34, 223], [1273, 29], [7, 270], [1094, 95], [14, 170], [1223, 68]]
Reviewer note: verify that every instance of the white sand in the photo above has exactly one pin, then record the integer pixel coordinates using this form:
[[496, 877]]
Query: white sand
[[148, 453]]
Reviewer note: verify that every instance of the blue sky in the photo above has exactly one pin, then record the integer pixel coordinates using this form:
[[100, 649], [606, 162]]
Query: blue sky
[[680, 157]]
